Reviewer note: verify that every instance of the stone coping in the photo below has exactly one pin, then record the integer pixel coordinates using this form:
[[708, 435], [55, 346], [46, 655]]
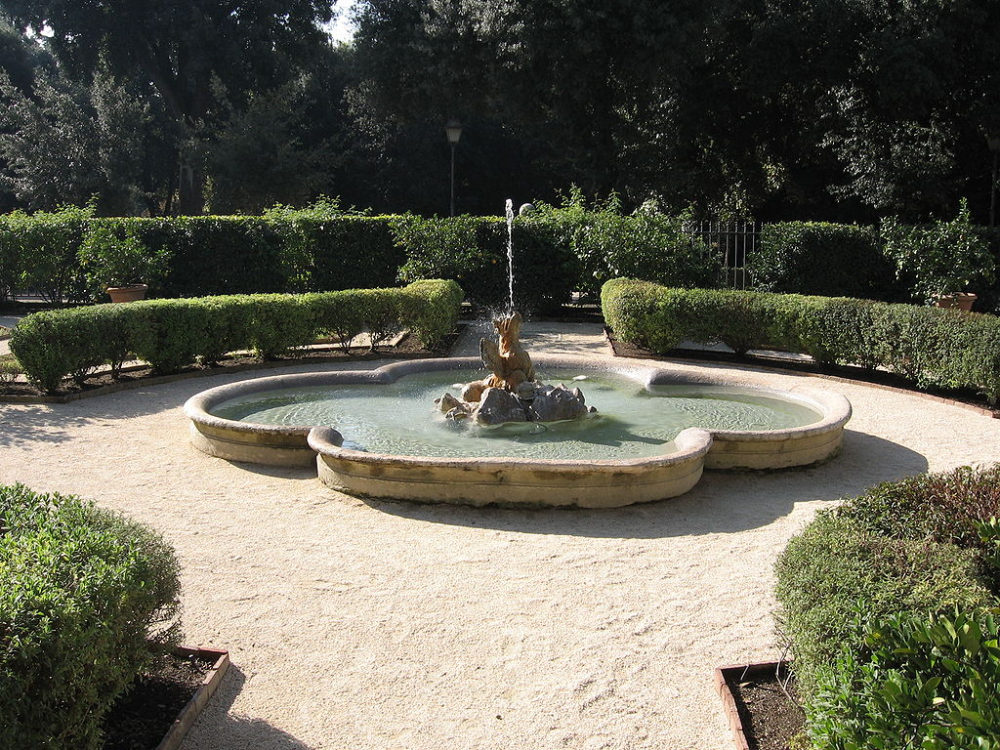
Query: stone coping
[[516, 481]]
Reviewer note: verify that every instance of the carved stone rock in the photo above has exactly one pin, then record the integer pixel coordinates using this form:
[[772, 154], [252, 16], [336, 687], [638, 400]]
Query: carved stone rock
[[497, 406]]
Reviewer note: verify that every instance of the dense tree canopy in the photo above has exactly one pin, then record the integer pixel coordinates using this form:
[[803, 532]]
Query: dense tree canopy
[[816, 109]]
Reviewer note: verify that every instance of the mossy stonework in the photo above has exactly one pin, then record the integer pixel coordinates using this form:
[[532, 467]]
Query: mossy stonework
[[518, 481]]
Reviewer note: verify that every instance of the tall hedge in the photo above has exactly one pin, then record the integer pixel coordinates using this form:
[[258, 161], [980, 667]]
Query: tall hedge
[[86, 597], [834, 260], [933, 347], [171, 334]]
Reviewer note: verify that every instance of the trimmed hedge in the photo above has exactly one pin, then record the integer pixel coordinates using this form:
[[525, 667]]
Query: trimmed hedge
[[933, 347], [86, 598], [171, 334], [835, 260], [852, 260], [884, 603], [473, 251]]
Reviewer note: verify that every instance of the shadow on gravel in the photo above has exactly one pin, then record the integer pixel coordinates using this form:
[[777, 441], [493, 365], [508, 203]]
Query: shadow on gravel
[[723, 502]]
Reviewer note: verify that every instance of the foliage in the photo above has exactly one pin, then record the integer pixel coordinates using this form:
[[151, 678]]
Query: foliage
[[172, 334], [931, 346], [824, 259], [39, 250], [647, 244], [473, 251], [928, 683], [86, 596], [112, 259], [942, 259], [856, 590], [835, 571], [187, 54], [9, 370]]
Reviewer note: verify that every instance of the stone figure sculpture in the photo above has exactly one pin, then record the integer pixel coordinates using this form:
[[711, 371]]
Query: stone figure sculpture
[[511, 393]]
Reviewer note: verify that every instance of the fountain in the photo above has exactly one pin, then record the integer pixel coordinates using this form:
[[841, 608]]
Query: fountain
[[511, 393], [510, 438]]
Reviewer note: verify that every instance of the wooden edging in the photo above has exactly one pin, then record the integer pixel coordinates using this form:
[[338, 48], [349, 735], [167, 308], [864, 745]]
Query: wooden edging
[[220, 663], [724, 676]]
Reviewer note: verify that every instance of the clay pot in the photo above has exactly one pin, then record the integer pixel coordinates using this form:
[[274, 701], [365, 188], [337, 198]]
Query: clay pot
[[959, 301], [129, 293]]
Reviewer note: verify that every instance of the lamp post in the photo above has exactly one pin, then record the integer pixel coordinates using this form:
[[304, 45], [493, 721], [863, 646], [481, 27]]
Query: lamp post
[[453, 129], [993, 141]]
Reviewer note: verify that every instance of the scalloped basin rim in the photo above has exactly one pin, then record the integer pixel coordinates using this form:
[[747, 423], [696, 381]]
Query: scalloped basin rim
[[518, 481]]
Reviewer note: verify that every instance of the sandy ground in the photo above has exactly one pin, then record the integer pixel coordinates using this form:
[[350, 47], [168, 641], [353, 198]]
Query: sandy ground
[[378, 625]]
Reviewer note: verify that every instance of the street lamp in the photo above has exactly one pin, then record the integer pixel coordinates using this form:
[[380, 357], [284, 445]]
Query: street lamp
[[993, 142], [453, 129]]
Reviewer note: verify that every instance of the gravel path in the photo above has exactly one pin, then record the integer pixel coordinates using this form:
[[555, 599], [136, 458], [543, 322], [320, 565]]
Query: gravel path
[[389, 625]]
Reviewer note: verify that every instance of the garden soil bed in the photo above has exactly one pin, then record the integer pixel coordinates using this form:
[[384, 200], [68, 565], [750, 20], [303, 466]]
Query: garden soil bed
[[762, 705], [160, 707]]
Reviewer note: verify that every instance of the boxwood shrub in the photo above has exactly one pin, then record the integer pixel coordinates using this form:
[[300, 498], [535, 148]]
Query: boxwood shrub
[[885, 602], [86, 600], [931, 346], [171, 334]]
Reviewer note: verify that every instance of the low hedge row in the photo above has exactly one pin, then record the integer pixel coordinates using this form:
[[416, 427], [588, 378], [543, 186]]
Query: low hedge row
[[171, 334], [885, 602], [931, 346], [84, 594]]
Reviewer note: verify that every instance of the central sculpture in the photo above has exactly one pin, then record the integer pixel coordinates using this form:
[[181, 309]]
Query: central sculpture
[[511, 393]]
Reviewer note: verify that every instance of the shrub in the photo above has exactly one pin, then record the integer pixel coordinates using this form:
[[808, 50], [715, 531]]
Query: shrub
[[943, 507], [9, 370], [857, 588], [114, 256], [928, 683], [816, 258], [448, 249], [941, 259], [932, 347], [835, 572], [84, 593], [647, 244], [39, 251], [172, 334]]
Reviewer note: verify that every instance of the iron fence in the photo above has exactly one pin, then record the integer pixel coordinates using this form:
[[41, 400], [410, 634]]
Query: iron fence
[[734, 241]]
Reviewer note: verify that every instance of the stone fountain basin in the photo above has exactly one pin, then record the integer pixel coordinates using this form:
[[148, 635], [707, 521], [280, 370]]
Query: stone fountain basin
[[517, 481]]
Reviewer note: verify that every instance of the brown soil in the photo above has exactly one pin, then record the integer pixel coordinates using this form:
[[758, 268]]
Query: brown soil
[[140, 718], [771, 718]]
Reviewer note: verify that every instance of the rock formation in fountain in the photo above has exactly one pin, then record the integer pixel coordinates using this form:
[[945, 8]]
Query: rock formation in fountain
[[511, 393]]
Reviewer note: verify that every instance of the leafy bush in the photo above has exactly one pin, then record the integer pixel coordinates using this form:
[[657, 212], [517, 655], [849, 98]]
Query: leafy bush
[[928, 683], [172, 334], [835, 572], [931, 346], [9, 370], [857, 588], [111, 258], [84, 595], [944, 258], [835, 260], [647, 244], [324, 248], [38, 251]]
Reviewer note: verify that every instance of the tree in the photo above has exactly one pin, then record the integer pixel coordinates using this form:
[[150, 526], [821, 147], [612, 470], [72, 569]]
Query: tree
[[182, 46]]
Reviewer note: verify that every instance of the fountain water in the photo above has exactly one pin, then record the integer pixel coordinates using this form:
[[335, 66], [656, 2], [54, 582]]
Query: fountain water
[[652, 445], [510, 253]]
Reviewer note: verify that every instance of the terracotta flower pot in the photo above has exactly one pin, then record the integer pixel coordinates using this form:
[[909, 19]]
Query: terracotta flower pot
[[959, 301], [129, 293]]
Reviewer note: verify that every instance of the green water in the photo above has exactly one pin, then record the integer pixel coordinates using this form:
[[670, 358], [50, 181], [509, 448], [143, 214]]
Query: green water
[[631, 422]]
